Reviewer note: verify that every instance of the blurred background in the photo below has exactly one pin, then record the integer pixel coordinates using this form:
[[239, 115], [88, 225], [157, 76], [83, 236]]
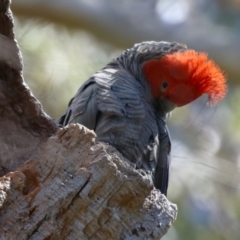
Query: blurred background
[[64, 42]]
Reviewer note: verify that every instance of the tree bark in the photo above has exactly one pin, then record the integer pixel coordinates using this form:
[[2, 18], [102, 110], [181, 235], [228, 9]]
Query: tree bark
[[57, 183]]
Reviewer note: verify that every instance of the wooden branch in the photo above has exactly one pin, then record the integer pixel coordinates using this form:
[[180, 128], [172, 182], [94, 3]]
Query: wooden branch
[[58, 183], [75, 190]]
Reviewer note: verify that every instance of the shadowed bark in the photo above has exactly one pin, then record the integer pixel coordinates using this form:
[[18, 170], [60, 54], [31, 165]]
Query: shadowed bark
[[24, 127], [57, 183]]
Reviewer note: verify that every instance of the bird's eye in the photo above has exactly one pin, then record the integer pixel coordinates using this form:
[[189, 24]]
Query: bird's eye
[[164, 86]]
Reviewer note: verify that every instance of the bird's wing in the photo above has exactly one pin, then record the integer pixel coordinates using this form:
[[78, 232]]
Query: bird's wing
[[82, 108], [104, 101], [163, 161], [121, 107]]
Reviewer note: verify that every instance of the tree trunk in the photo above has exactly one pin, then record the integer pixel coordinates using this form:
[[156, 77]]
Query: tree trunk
[[57, 183]]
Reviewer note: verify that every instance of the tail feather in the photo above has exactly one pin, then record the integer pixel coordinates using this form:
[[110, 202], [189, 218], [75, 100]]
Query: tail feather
[[161, 179]]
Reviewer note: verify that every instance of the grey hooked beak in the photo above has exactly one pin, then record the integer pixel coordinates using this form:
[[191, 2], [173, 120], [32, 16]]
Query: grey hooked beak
[[166, 105]]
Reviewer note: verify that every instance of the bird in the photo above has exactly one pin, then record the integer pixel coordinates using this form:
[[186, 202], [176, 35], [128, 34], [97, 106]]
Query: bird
[[128, 101]]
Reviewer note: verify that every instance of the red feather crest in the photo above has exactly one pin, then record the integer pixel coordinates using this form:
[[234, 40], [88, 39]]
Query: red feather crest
[[196, 70]]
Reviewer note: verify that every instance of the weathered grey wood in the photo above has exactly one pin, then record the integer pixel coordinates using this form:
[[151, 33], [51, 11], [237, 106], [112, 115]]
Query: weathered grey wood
[[74, 189], [24, 127], [58, 183]]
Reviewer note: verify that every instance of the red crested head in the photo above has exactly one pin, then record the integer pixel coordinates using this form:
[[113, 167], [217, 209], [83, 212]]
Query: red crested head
[[182, 77]]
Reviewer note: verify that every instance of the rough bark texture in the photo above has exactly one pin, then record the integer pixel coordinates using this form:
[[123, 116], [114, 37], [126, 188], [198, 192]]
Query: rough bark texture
[[24, 127], [59, 183], [74, 189]]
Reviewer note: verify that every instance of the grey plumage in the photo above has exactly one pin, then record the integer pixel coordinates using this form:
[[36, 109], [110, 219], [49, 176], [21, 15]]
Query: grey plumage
[[117, 104]]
